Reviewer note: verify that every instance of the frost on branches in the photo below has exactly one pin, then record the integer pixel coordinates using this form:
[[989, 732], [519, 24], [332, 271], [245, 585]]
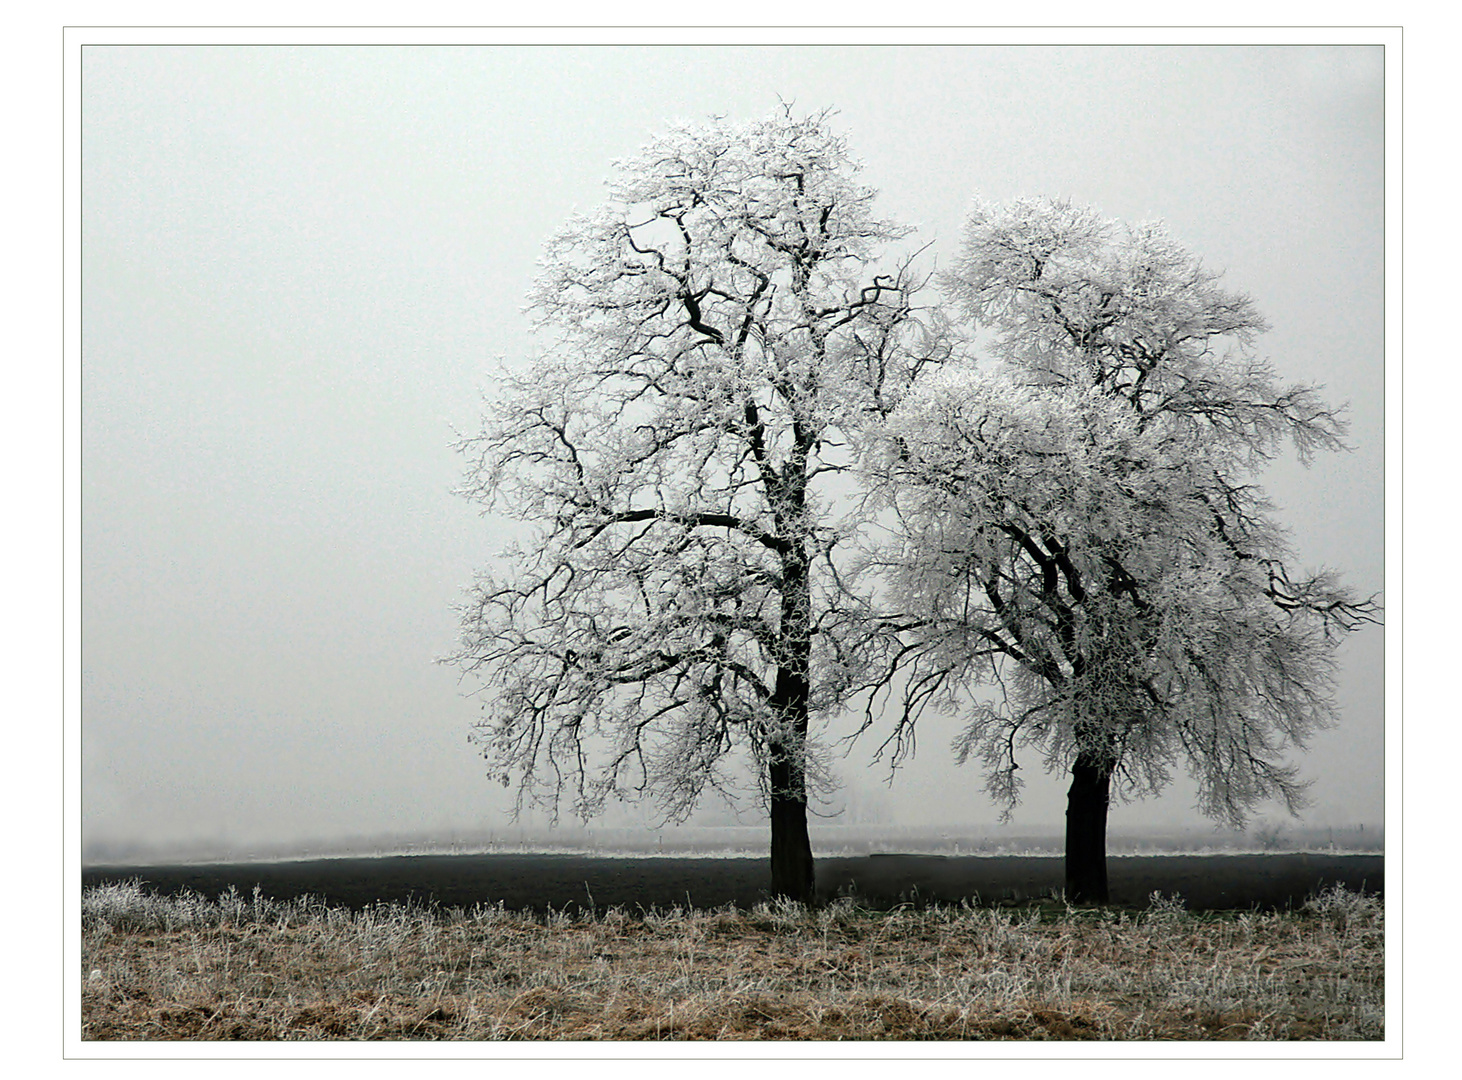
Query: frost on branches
[[1078, 526], [718, 338]]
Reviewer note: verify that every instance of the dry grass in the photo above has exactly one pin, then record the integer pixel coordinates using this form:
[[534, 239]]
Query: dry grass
[[189, 968]]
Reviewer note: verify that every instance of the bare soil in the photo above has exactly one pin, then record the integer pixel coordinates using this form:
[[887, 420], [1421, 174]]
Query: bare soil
[[533, 882]]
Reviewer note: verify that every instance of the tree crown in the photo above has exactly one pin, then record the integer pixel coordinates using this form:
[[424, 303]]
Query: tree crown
[[718, 335], [1077, 522]]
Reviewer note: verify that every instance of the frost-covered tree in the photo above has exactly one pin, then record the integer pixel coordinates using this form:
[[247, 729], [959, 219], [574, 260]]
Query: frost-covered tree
[[1079, 527], [718, 335]]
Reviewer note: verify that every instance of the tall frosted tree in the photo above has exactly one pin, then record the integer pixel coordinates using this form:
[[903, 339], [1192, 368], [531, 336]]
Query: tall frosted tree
[[1079, 528], [718, 336]]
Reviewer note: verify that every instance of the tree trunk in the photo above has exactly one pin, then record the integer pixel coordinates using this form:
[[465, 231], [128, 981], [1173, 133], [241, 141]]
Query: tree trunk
[[1086, 831], [792, 876]]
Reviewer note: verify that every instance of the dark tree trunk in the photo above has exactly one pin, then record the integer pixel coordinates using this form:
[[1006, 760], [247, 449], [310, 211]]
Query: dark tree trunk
[[1086, 831], [787, 779], [791, 849], [792, 876]]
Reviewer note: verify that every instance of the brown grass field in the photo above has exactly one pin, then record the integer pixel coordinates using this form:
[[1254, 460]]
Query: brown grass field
[[185, 966]]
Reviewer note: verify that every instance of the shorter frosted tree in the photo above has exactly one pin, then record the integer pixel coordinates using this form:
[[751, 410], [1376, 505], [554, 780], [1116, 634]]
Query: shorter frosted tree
[[718, 335], [1077, 527]]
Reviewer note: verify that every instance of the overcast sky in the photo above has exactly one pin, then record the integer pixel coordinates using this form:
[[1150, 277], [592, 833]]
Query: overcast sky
[[301, 265]]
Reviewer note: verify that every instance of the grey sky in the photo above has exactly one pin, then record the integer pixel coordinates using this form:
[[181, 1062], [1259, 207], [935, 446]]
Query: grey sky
[[301, 264]]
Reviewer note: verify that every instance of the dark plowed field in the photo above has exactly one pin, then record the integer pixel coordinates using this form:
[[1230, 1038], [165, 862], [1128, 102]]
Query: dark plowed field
[[537, 882]]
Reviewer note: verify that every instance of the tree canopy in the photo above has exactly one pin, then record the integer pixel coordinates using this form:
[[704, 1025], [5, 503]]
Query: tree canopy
[[737, 393], [718, 334], [1079, 526]]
